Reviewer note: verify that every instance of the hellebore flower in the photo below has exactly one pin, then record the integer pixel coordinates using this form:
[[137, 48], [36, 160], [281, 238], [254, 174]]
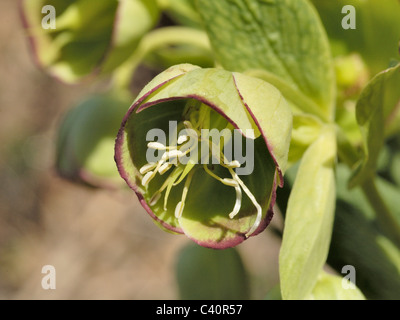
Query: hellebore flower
[[85, 144], [198, 182], [85, 36]]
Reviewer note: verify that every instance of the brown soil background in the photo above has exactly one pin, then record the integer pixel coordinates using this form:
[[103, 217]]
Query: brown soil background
[[102, 244]]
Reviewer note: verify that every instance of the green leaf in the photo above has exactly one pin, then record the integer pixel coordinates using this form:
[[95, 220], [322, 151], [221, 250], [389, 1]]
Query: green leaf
[[378, 114], [329, 287], [206, 274], [355, 240], [309, 219], [284, 38]]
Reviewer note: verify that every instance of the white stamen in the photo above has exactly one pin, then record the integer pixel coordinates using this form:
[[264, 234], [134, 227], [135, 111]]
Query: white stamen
[[258, 219], [234, 164], [157, 146], [183, 139], [230, 182], [147, 178], [179, 209], [181, 204], [171, 154], [253, 199], [147, 167], [188, 124], [164, 168], [238, 202]]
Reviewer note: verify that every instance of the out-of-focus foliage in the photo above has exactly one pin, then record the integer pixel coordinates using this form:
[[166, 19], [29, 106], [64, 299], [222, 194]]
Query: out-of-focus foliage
[[85, 146], [206, 274], [376, 36], [90, 36]]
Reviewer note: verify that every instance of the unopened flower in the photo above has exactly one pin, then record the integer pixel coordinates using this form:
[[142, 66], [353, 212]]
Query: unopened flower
[[85, 144], [204, 150]]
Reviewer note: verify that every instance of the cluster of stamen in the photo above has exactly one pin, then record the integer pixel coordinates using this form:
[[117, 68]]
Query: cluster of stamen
[[198, 118]]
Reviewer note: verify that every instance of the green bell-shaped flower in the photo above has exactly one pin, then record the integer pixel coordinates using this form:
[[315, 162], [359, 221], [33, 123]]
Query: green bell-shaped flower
[[73, 39], [204, 150]]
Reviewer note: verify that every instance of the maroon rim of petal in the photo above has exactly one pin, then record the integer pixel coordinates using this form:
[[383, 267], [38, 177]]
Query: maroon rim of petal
[[97, 182], [82, 176], [119, 161], [270, 213], [124, 175], [270, 148], [240, 237], [225, 244]]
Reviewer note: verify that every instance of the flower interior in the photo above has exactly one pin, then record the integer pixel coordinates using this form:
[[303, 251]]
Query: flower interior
[[193, 180]]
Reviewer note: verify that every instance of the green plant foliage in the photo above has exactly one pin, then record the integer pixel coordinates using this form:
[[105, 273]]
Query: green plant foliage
[[265, 67], [182, 11], [378, 115], [376, 36], [269, 36], [206, 274], [309, 219], [90, 36], [85, 144]]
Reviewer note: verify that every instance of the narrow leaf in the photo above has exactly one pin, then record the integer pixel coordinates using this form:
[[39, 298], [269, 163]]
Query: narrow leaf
[[309, 219], [378, 114]]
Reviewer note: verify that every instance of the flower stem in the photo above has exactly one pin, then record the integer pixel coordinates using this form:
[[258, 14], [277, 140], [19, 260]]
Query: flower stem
[[385, 220], [346, 150], [154, 40]]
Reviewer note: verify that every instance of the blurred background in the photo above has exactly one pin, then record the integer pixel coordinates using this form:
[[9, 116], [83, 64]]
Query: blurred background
[[102, 244]]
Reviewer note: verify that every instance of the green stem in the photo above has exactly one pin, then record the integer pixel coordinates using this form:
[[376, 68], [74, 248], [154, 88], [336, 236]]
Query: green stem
[[301, 101], [154, 40], [386, 222], [346, 150]]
